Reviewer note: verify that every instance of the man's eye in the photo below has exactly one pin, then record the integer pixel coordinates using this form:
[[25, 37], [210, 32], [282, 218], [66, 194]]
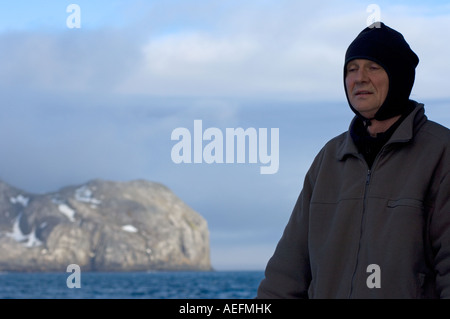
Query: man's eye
[[351, 70]]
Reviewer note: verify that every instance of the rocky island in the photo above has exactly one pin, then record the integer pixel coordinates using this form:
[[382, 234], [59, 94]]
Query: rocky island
[[101, 226]]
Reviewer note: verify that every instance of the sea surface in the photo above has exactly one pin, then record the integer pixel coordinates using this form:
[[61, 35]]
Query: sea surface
[[132, 285]]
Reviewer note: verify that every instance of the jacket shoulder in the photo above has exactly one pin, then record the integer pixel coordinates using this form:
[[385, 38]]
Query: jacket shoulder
[[437, 130], [337, 141], [332, 149]]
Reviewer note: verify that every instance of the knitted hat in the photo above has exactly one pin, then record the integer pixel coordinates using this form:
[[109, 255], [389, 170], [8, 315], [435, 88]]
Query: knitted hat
[[388, 48]]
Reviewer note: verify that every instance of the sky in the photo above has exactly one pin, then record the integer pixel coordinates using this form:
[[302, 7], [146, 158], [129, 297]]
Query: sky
[[102, 99]]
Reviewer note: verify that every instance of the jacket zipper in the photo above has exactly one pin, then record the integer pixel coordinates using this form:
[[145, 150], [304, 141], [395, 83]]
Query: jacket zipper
[[366, 187], [369, 175], [368, 178]]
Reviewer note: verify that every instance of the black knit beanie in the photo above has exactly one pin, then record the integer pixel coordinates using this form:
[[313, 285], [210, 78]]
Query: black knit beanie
[[388, 48]]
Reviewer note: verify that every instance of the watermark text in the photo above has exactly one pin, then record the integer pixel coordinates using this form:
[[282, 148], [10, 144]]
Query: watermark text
[[73, 21], [373, 20], [229, 147], [374, 279], [74, 280]]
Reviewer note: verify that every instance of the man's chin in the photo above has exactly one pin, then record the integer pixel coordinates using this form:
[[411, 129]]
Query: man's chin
[[366, 111]]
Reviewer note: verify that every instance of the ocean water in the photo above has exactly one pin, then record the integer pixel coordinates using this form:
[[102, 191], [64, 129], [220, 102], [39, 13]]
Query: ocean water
[[134, 285]]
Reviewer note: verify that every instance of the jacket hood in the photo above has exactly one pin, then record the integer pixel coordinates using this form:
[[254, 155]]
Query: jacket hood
[[388, 48]]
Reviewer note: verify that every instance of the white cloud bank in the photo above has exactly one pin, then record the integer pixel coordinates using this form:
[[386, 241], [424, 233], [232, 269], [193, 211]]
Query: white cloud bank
[[285, 49], [290, 50]]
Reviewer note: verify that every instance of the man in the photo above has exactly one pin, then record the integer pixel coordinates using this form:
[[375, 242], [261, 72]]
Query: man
[[373, 217]]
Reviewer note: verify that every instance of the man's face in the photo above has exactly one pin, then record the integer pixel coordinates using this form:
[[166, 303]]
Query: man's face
[[367, 86]]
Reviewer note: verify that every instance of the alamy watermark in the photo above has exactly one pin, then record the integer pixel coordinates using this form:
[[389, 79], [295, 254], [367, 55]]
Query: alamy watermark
[[373, 20], [228, 148], [73, 21], [374, 279], [74, 280]]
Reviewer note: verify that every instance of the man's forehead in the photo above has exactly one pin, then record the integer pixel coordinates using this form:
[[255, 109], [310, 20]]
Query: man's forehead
[[362, 62]]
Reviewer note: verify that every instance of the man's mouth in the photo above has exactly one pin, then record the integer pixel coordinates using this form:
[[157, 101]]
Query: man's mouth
[[362, 92]]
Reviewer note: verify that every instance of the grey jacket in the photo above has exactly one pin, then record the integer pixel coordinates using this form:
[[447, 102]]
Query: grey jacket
[[379, 233]]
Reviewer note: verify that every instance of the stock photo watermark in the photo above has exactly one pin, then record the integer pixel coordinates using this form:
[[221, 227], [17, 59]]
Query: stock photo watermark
[[73, 21], [374, 19], [374, 279], [74, 279], [228, 148], [373, 282]]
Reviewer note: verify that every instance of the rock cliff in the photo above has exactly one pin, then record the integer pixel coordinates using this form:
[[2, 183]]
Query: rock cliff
[[101, 226]]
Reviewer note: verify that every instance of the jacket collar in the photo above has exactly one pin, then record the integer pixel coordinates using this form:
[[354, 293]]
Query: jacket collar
[[403, 134]]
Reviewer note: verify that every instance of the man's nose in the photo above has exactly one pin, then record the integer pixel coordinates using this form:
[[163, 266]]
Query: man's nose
[[361, 75]]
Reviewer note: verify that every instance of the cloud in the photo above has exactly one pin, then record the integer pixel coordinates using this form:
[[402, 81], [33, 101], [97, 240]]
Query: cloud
[[252, 51], [92, 61], [287, 49]]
